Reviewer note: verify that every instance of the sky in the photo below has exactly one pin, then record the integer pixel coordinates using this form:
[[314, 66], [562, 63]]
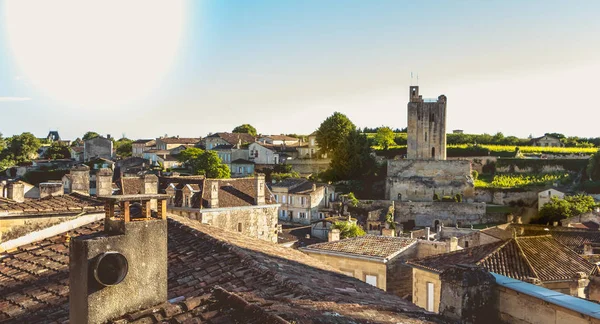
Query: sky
[[149, 68]]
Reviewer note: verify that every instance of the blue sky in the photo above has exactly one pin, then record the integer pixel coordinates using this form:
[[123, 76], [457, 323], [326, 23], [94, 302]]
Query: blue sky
[[519, 67]]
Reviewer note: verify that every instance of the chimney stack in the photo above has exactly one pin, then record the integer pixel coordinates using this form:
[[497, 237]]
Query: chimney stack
[[213, 201], [80, 179], [121, 270], [260, 189], [453, 244], [333, 235], [104, 179], [587, 248], [51, 189], [16, 191]]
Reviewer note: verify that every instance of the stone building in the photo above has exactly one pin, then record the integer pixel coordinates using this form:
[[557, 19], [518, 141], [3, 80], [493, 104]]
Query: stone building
[[426, 127], [426, 172], [77, 180], [243, 205], [169, 143], [536, 259], [303, 201], [217, 139], [140, 146], [98, 147], [376, 260], [546, 141], [545, 196], [310, 149]]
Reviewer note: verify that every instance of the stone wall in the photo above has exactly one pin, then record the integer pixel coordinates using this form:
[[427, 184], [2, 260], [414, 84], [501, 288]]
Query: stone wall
[[517, 307], [98, 147], [308, 166], [448, 213], [420, 280], [399, 275], [477, 162], [428, 248], [504, 197], [419, 180], [255, 221], [353, 267], [11, 228]]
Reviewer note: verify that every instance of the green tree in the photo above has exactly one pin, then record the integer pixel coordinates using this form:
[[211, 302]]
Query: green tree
[[352, 199], [348, 229], [558, 209], [205, 163], [57, 151], [593, 167], [333, 131], [22, 147], [352, 158], [2, 143], [123, 147], [385, 137], [90, 135], [245, 128]]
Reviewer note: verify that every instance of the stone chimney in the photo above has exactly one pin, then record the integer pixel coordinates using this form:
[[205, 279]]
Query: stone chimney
[[453, 244], [314, 187], [80, 179], [16, 191], [466, 295], [333, 235], [123, 269], [104, 181], [51, 189], [213, 200], [578, 285], [260, 189], [151, 188], [388, 231], [2, 187], [587, 248]]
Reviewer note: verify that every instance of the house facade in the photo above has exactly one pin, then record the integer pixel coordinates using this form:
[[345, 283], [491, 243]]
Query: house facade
[[310, 149], [546, 196], [547, 141], [169, 143], [98, 147], [303, 201], [278, 140], [241, 168], [140, 146], [243, 205], [261, 153], [214, 140]]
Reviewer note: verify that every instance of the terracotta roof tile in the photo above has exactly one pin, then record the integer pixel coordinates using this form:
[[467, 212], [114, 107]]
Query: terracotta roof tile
[[213, 275], [54, 204], [540, 257], [180, 140], [367, 245], [233, 138]]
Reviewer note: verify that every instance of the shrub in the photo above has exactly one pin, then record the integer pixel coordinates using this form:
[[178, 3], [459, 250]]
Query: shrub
[[436, 197], [458, 198], [474, 174]]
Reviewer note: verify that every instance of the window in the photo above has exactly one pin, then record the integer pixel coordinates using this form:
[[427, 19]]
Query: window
[[303, 201], [430, 296], [302, 214], [466, 244], [321, 215], [291, 200], [283, 199], [371, 280], [239, 227], [425, 135], [276, 198]]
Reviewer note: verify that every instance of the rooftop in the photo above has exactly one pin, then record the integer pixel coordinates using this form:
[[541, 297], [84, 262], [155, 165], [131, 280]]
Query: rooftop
[[66, 204], [179, 140], [368, 245], [212, 274], [234, 138], [540, 257]]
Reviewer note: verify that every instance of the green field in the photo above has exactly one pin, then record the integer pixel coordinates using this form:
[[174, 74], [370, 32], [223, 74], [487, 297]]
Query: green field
[[505, 150]]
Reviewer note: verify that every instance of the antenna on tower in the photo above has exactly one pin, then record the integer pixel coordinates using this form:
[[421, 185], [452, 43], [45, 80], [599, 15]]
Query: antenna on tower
[[417, 79], [411, 78]]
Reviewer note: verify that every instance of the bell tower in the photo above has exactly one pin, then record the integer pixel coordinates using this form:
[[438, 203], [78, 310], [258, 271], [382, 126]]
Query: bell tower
[[426, 127]]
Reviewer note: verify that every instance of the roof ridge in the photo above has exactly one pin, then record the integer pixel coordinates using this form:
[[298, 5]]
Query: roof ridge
[[526, 258], [496, 250]]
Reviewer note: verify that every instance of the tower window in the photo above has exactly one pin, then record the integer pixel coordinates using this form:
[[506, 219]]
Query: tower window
[[433, 152], [425, 136]]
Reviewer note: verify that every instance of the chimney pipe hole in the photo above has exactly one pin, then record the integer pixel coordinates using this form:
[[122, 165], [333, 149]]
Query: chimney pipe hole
[[110, 268]]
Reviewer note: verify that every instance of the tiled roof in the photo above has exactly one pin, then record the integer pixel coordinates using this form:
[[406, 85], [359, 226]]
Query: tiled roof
[[238, 192], [367, 245], [216, 276], [498, 233], [297, 185], [142, 141], [233, 138], [241, 161], [540, 257], [281, 138], [179, 140], [132, 185], [574, 238], [66, 204]]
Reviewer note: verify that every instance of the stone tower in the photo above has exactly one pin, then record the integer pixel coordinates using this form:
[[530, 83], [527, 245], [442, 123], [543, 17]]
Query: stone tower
[[426, 127]]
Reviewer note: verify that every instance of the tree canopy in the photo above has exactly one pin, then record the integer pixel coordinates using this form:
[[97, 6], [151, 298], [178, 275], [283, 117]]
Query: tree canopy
[[89, 135], [385, 137], [205, 163], [348, 229], [57, 151], [558, 209], [333, 131], [245, 128], [352, 158], [21, 148], [593, 167], [123, 147]]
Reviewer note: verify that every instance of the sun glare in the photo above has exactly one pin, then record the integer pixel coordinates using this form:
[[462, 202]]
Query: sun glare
[[94, 53]]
